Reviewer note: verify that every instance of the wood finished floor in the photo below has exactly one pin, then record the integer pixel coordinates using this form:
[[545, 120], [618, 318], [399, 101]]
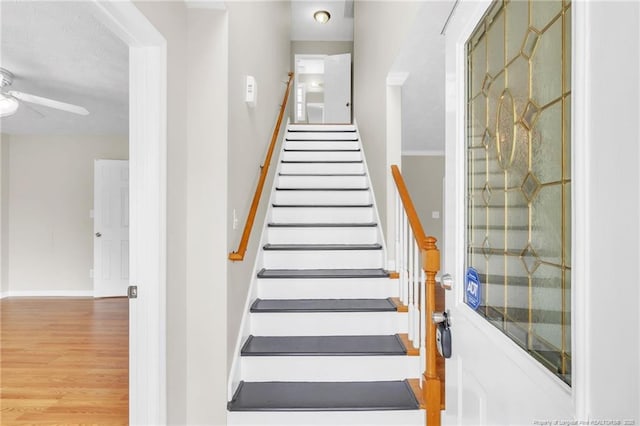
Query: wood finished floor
[[64, 361]]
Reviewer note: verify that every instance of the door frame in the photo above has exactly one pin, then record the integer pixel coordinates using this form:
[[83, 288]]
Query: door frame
[[147, 211], [467, 17], [296, 56]]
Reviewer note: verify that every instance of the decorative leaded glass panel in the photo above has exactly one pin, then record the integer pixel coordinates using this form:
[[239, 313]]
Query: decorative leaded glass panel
[[519, 174]]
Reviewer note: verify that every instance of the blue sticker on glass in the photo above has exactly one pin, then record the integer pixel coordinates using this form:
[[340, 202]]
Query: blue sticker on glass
[[472, 288]]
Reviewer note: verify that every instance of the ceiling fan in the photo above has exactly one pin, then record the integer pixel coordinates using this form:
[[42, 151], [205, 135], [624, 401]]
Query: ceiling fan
[[10, 99]]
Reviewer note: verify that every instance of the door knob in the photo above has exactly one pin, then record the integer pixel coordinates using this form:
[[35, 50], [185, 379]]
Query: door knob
[[98, 234], [446, 281]]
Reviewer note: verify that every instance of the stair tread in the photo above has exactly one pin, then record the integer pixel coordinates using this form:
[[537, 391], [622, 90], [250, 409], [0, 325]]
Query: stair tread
[[322, 247], [322, 305], [322, 150], [320, 161], [322, 205], [323, 273], [322, 189], [323, 396], [323, 346], [321, 174], [323, 225]]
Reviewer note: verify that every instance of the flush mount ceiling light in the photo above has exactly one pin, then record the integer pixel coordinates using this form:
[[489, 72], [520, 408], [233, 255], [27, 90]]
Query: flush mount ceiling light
[[322, 16]]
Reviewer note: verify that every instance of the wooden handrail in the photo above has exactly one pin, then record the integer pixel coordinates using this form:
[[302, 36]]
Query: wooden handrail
[[433, 376], [251, 216], [412, 216]]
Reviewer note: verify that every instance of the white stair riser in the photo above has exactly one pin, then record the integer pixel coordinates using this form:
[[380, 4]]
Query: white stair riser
[[322, 215], [322, 156], [328, 323], [361, 235], [321, 259], [329, 368], [324, 288], [328, 418], [327, 136], [321, 145], [322, 197], [322, 168], [322, 182]]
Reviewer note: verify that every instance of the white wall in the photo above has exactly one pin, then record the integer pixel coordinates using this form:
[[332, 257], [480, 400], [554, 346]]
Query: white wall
[[206, 216], [170, 19], [215, 145], [610, 239], [423, 176], [259, 40], [4, 213], [380, 28], [422, 57], [50, 232]]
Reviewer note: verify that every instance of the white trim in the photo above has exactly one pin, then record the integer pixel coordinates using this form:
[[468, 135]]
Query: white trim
[[393, 103], [397, 78], [147, 156], [47, 293], [580, 241], [423, 153]]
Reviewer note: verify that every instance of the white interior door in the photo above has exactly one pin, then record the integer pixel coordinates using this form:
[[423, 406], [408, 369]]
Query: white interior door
[[111, 228], [337, 88]]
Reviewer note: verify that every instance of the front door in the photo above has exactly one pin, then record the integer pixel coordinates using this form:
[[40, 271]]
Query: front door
[[111, 228], [508, 217], [337, 88]]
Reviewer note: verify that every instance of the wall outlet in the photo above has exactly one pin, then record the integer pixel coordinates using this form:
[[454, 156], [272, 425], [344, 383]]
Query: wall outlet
[[90, 273], [435, 215]]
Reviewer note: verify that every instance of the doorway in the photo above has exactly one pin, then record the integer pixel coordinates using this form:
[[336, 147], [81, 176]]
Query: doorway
[[322, 89]]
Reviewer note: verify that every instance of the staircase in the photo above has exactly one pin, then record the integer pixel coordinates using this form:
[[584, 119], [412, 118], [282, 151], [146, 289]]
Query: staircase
[[324, 339]]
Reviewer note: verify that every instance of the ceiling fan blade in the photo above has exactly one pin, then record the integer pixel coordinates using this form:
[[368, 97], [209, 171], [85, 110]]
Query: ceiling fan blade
[[49, 103]]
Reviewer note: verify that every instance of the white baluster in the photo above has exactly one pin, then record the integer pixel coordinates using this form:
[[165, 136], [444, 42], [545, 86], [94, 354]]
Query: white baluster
[[404, 273], [416, 292], [397, 238], [412, 312], [423, 330]]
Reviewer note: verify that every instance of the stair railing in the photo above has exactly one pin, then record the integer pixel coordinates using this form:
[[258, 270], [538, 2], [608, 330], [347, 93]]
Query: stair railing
[[264, 170], [417, 263]]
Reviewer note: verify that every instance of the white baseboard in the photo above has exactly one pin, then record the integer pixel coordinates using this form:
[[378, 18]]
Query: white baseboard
[[47, 293]]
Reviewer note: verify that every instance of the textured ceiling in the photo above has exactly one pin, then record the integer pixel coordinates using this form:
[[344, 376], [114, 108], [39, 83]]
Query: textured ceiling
[[60, 50], [305, 28]]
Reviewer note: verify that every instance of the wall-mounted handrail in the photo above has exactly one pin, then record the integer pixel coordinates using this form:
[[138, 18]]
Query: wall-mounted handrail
[[418, 262], [251, 215]]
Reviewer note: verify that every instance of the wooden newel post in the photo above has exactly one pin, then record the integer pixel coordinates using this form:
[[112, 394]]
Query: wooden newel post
[[431, 388]]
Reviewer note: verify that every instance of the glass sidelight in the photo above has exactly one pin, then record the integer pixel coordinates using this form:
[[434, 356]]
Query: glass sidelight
[[519, 174]]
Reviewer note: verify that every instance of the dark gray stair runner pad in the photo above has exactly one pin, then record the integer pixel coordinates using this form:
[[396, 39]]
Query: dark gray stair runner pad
[[323, 396], [320, 247], [323, 273], [322, 305], [323, 346], [323, 225]]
